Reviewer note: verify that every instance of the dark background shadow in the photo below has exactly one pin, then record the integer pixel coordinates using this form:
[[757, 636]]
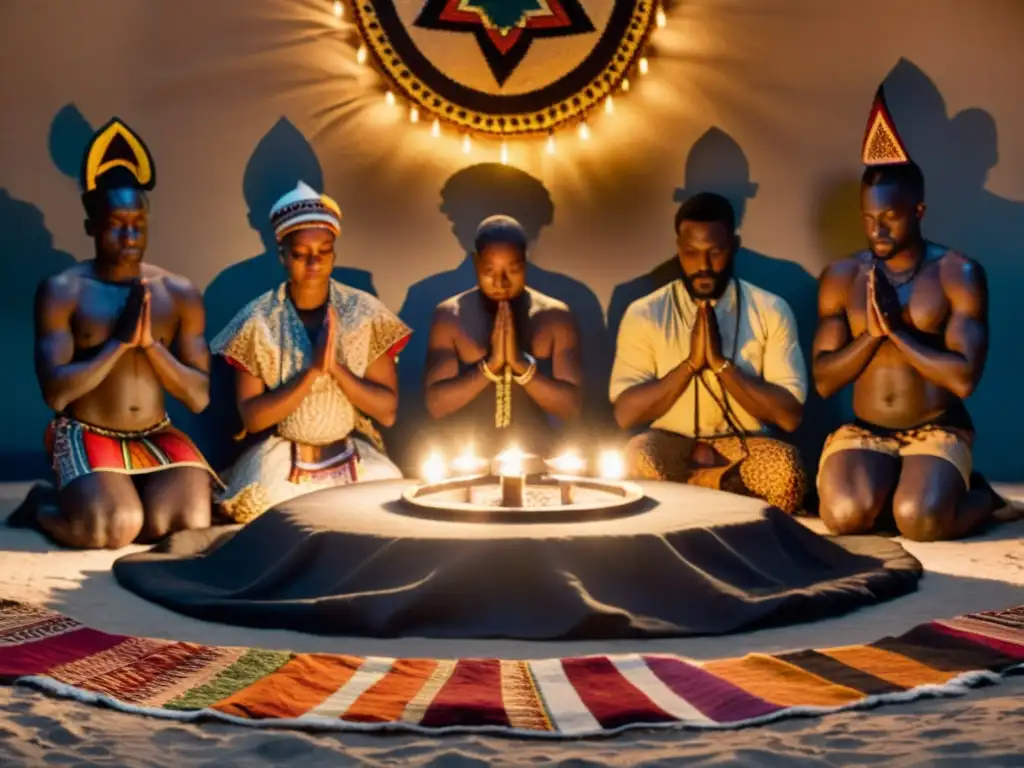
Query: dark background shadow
[[27, 257], [467, 198], [716, 163], [281, 159], [956, 154]]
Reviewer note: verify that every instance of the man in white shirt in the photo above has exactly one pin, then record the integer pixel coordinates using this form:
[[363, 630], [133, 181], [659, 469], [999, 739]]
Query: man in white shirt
[[712, 363]]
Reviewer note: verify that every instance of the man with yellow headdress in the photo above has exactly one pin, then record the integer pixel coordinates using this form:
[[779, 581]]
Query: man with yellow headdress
[[315, 367], [113, 337], [906, 323]]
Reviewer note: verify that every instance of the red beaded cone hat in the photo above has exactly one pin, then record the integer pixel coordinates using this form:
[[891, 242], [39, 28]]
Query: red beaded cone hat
[[882, 142]]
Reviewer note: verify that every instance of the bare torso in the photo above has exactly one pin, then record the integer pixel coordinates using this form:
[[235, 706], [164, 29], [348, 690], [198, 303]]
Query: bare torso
[[537, 318], [890, 392], [131, 397]]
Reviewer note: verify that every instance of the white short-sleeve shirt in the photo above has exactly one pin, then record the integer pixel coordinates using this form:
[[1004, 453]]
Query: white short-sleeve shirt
[[654, 338]]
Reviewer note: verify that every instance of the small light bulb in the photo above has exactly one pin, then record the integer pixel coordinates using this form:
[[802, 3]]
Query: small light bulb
[[625, 83], [389, 99], [435, 129], [609, 105], [551, 144], [659, 18], [339, 9], [644, 65], [361, 54], [584, 131], [467, 145], [504, 152], [414, 115]]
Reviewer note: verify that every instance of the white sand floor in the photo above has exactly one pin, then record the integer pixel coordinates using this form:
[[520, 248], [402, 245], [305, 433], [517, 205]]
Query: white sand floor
[[984, 728]]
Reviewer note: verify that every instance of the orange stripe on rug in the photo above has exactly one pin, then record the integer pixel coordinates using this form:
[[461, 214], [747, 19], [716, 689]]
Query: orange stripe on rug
[[292, 690], [387, 699], [889, 666], [781, 683]]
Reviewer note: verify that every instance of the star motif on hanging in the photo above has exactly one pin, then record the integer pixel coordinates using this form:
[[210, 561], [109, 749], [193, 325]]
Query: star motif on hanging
[[505, 29]]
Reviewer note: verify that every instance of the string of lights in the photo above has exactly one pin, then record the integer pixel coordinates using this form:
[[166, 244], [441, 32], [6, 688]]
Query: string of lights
[[439, 125]]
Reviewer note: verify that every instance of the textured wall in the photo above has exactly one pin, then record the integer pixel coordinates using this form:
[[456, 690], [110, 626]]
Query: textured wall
[[765, 99]]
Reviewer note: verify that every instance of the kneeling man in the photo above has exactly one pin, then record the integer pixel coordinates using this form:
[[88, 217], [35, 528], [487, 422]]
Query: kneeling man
[[503, 362], [712, 362], [114, 336], [906, 322]]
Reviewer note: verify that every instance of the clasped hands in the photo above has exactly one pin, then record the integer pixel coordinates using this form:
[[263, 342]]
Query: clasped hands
[[326, 361], [705, 341], [883, 306], [505, 344], [134, 327]]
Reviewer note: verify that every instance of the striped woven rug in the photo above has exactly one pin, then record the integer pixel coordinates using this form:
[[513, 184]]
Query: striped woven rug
[[559, 697]]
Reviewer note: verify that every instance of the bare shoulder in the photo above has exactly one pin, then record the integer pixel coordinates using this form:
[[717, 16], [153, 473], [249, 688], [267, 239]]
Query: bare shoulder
[[841, 274], [961, 273], [445, 324], [179, 287], [837, 280], [548, 312], [62, 289]]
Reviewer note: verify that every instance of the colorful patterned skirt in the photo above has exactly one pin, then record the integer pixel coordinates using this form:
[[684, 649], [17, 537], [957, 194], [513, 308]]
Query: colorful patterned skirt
[[271, 472], [79, 449]]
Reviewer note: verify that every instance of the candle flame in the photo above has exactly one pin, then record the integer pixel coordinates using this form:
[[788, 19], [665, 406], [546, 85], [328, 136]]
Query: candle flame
[[660, 18], [468, 463], [611, 465], [339, 9], [568, 463], [361, 54], [644, 66], [510, 461], [435, 129], [434, 469]]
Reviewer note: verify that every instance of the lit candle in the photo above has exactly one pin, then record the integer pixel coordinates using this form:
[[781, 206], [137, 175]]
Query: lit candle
[[568, 463], [469, 464], [611, 466], [434, 469], [510, 471]]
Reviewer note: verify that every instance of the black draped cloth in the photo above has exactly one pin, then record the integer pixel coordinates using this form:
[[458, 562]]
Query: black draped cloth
[[349, 561]]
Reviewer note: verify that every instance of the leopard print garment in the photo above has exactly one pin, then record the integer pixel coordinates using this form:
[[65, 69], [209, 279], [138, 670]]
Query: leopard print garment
[[772, 471]]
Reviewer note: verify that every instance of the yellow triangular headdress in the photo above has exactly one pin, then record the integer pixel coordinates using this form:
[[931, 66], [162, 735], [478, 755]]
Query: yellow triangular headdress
[[882, 143], [115, 146]]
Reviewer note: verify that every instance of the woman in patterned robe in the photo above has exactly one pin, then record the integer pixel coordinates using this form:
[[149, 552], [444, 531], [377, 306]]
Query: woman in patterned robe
[[315, 367]]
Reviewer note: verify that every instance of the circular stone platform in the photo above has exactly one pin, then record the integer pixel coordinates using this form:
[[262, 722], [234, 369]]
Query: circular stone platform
[[351, 561]]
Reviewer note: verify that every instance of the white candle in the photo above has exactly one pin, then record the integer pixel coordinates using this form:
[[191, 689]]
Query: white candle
[[510, 471]]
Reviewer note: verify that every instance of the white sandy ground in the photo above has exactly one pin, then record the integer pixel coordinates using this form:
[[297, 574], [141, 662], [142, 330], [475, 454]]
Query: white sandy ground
[[985, 727]]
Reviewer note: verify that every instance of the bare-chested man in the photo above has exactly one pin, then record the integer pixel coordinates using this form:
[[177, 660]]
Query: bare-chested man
[[105, 331], [907, 323], [503, 364]]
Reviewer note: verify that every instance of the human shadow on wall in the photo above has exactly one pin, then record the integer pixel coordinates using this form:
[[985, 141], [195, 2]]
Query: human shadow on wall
[[281, 159], [716, 163], [956, 154], [467, 198], [28, 257]]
